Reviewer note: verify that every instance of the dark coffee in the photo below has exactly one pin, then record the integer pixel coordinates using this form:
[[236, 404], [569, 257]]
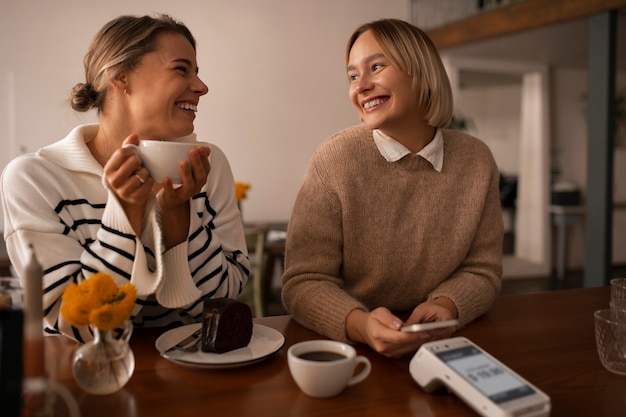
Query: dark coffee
[[322, 356]]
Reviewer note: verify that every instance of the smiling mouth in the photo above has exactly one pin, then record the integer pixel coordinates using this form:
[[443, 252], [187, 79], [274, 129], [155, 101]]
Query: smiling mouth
[[187, 106], [373, 103]]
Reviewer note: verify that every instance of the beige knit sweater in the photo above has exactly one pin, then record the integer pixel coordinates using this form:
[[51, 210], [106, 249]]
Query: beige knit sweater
[[366, 233]]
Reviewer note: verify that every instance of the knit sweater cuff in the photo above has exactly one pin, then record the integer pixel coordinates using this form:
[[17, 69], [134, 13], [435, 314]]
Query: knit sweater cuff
[[145, 281], [327, 312], [471, 299], [178, 288], [114, 215], [337, 328]]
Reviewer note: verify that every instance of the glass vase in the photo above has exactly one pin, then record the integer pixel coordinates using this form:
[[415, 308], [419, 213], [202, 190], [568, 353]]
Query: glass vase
[[104, 365]]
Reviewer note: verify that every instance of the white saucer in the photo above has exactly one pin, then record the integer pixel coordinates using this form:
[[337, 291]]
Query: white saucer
[[265, 342]]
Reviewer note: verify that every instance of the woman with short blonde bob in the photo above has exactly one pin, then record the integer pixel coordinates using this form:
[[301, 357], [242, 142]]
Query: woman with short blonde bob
[[411, 51], [398, 219]]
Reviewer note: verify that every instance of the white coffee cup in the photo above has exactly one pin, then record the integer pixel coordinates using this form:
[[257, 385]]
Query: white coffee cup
[[162, 158], [323, 368]]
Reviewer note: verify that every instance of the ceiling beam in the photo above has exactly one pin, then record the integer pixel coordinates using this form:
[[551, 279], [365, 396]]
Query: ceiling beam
[[516, 17]]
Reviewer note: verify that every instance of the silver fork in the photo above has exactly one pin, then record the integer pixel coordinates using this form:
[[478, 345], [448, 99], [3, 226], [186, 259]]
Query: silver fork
[[190, 342], [192, 347]]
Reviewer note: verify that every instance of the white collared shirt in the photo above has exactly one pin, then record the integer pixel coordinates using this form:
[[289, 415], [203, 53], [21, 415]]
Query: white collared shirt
[[393, 151]]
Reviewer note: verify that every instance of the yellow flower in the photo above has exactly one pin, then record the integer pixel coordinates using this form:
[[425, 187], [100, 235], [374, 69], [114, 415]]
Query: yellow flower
[[99, 302], [76, 306], [240, 190], [100, 287], [107, 317], [127, 302]]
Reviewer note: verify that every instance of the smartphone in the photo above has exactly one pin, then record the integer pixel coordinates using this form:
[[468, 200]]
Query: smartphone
[[480, 380], [418, 327]]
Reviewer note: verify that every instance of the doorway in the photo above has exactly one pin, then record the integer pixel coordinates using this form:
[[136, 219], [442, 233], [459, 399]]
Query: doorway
[[530, 127]]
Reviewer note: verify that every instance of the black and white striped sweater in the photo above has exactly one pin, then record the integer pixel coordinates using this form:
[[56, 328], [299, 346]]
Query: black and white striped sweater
[[55, 200]]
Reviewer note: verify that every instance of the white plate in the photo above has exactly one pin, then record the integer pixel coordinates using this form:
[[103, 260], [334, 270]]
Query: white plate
[[265, 342]]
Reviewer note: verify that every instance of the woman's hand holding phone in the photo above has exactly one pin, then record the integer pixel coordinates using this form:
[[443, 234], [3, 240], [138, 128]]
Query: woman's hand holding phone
[[419, 327]]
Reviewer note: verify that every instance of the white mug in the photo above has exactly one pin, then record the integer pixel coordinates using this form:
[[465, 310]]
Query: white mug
[[323, 368], [162, 158]]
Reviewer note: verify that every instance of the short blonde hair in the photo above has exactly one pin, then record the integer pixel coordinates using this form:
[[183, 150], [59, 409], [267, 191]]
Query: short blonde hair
[[412, 51]]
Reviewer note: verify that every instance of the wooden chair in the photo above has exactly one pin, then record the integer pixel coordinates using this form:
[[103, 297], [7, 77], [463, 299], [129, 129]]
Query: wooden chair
[[254, 293], [5, 262]]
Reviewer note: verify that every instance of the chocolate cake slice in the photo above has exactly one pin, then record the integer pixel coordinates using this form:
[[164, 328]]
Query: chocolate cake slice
[[226, 325]]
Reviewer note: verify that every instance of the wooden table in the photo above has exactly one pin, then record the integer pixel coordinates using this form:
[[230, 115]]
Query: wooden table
[[548, 338]]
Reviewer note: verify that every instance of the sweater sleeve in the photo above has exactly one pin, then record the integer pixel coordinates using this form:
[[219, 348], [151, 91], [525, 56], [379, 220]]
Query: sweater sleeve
[[313, 291], [37, 212], [213, 262]]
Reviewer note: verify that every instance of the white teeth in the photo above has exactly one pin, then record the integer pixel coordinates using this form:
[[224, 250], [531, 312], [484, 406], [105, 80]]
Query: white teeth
[[372, 103], [187, 106]]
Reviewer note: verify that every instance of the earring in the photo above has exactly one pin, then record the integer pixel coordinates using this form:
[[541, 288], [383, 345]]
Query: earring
[[125, 92]]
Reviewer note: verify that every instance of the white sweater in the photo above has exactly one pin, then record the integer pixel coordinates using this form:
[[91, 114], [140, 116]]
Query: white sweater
[[56, 200]]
